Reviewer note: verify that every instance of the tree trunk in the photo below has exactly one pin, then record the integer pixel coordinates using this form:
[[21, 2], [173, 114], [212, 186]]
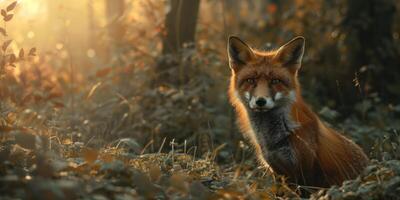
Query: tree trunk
[[180, 24], [371, 51], [115, 10]]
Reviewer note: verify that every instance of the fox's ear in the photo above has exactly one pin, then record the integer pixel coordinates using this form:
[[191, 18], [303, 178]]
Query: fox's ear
[[239, 53], [291, 54]]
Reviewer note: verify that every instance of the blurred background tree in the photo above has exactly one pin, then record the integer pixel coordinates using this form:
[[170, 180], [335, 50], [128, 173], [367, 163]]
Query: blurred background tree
[[180, 24], [116, 29], [372, 55]]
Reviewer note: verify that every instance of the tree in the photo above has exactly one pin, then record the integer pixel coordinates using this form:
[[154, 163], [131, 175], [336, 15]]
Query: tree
[[115, 10], [371, 50], [180, 24]]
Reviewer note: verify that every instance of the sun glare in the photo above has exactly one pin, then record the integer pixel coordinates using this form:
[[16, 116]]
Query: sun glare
[[32, 8]]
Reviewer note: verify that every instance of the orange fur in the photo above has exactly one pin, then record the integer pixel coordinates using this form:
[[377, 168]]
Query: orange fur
[[323, 156]]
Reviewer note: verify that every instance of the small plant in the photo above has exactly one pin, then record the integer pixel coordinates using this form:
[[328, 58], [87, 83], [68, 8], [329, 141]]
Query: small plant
[[7, 58]]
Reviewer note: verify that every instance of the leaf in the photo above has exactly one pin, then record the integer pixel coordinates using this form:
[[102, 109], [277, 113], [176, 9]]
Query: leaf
[[272, 8], [67, 141], [155, 173], [3, 31], [179, 182], [144, 185], [90, 155], [103, 72], [32, 52], [58, 105], [197, 189], [6, 44], [3, 13], [8, 17], [11, 6], [21, 54]]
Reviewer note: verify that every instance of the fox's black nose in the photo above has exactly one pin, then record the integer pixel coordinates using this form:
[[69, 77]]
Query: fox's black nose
[[261, 102]]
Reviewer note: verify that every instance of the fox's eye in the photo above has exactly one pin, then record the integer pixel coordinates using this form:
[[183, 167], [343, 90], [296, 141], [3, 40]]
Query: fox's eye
[[250, 80], [275, 81]]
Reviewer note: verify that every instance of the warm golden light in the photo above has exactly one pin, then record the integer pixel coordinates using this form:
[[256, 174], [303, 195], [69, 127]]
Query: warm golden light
[[32, 8], [199, 99]]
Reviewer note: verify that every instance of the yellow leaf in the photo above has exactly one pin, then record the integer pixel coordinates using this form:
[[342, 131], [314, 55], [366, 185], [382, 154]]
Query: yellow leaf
[[3, 12], [8, 17], [67, 141], [32, 52], [11, 6], [6, 44], [90, 155]]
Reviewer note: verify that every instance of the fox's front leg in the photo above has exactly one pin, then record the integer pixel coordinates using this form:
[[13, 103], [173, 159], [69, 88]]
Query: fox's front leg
[[282, 159]]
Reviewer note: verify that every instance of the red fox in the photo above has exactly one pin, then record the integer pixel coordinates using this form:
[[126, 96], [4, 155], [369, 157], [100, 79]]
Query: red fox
[[288, 137]]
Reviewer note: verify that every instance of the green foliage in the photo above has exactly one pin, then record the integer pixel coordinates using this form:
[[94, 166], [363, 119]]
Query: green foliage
[[380, 180]]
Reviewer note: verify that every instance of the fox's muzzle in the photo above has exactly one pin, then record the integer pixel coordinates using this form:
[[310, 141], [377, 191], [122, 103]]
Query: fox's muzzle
[[261, 103]]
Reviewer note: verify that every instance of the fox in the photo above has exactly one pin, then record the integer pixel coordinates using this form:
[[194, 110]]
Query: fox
[[288, 138]]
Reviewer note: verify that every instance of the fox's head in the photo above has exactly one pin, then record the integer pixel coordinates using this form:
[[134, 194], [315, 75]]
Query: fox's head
[[264, 80]]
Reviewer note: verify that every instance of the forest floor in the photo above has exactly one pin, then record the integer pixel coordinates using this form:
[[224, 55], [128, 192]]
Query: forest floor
[[35, 167], [48, 151]]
